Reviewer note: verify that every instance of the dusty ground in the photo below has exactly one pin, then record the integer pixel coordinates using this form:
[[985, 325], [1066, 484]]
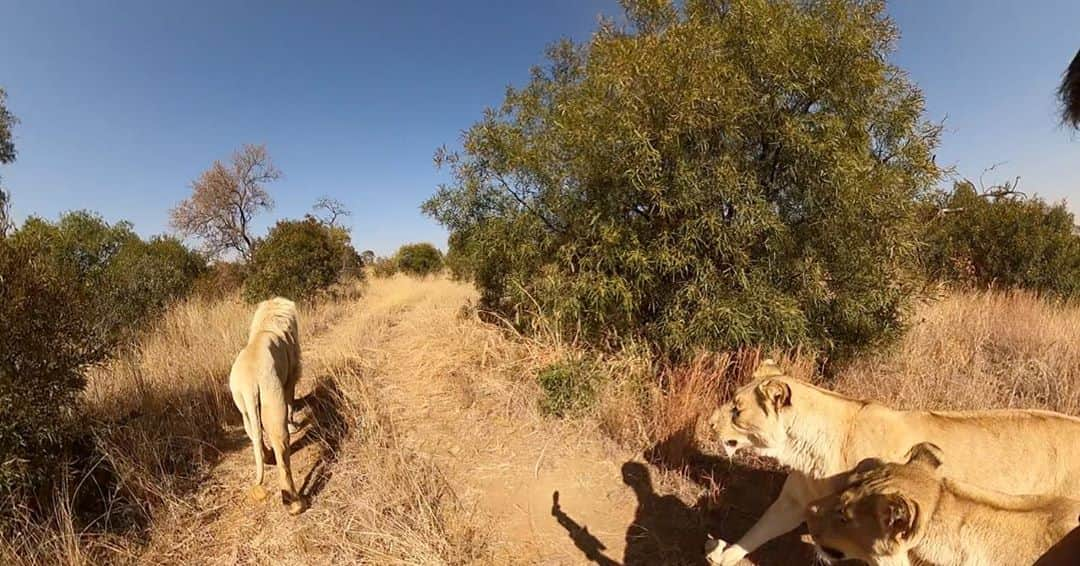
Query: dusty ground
[[454, 396]]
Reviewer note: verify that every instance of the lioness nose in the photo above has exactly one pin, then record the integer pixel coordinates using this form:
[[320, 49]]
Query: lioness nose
[[731, 443]]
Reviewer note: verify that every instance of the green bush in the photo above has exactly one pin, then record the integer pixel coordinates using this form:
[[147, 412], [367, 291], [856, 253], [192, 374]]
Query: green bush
[[1006, 241], [49, 337], [130, 280], [221, 279], [702, 180], [569, 387], [384, 267], [418, 259], [296, 259]]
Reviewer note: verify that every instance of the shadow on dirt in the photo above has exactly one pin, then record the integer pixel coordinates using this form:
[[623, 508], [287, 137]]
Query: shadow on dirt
[[666, 530], [738, 493], [588, 544], [324, 426]]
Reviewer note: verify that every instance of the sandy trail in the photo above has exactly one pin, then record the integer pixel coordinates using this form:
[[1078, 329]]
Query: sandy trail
[[459, 396]]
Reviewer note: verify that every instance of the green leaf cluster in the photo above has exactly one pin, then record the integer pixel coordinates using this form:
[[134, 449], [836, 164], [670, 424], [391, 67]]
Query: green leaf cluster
[[1007, 241], [297, 259], [713, 174]]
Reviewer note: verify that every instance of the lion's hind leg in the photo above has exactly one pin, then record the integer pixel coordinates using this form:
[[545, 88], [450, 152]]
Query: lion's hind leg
[[249, 410], [275, 418]]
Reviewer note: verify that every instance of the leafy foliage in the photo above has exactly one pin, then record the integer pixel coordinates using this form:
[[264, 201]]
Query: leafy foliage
[[296, 259], [718, 174], [49, 338], [7, 155], [129, 280], [568, 386], [221, 279], [384, 267], [418, 259], [1006, 241]]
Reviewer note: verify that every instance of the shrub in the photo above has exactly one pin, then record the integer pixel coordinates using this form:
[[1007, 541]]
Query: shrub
[[568, 387], [384, 267], [49, 338], [1002, 241], [130, 280], [702, 181], [221, 279], [418, 259], [296, 259], [145, 277]]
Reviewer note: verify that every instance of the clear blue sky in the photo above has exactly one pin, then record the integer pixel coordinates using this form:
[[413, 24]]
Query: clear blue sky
[[123, 103]]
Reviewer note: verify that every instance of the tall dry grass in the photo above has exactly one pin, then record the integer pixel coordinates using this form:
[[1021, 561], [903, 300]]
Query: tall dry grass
[[157, 417], [978, 350], [965, 350]]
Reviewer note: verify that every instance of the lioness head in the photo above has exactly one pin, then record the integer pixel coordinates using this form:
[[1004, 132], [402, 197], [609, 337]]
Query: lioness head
[[753, 417], [880, 512]]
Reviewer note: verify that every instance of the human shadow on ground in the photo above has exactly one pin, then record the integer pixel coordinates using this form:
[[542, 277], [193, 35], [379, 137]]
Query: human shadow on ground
[[588, 544], [737, 495], [324, 426], [1065, 553], [665, 530]]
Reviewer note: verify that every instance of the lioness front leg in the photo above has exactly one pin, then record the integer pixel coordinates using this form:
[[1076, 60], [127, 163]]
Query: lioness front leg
[[786, 513]]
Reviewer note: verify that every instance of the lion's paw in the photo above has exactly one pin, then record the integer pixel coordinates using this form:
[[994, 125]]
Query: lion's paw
[[258, 493]]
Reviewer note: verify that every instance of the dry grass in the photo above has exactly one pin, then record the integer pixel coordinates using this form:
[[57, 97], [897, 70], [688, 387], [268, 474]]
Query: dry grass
[[966, 350], [160, 418], [978, 350]]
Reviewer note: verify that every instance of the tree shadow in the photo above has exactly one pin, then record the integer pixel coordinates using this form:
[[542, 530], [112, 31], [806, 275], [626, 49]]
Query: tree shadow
[[325, 426], [588, 544], [738, 493], [1065, 553]]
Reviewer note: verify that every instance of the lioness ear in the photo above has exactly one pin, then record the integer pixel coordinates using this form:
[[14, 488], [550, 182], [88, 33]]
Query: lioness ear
[[897, 516], [868, 464], [926, 454], [776, 393], [768, 368]]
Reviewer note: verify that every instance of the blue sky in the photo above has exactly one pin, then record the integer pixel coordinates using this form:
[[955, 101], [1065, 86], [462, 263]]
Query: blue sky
[[123, 103]]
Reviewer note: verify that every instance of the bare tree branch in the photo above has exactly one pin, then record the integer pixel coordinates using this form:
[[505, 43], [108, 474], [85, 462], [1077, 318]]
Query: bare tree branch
[[224, 199], [333, 210]]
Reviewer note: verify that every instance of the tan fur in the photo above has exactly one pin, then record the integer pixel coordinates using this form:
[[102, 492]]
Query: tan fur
[[819, 434], [263, 381], [891, 513]]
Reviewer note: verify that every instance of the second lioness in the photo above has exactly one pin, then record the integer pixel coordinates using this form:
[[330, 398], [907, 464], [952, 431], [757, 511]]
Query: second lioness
[[888, 513], [819, 434]]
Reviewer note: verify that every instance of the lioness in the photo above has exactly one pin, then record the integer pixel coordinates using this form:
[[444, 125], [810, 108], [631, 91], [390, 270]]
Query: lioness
[[890, 513], [818, 434], [263, 381]]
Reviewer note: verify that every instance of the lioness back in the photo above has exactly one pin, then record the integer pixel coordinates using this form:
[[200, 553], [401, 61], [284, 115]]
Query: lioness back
[[1011, 451]]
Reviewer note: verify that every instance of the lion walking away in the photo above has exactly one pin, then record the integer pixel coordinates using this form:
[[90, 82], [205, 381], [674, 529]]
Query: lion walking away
[[263, 381]]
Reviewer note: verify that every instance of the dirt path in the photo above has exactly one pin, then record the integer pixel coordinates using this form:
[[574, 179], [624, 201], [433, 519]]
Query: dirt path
[[498, 455], [461, 397]]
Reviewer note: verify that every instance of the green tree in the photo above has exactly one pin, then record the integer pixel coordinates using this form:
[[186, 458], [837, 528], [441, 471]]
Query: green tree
[[418, 259], [130, 280], [296, 259], [49, 339], [7, 155], [1001, 238], [713, 175]]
